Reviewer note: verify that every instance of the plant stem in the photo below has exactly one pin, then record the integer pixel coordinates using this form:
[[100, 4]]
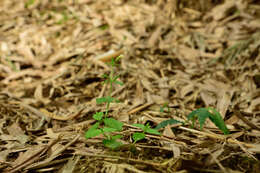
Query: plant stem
[[107, 108], [111, 77], [111, 80]]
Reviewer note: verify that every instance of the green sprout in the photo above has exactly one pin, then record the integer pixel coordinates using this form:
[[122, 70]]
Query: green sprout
[[201, 115], [137, 136], [104, 125]]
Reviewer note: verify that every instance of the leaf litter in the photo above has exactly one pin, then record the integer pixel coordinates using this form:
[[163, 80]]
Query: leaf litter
[[187, 54]]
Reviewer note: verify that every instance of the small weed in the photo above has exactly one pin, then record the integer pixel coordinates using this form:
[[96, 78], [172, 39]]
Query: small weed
[[137, 136], [165, 106], [201, 115], [105, 125], [110, 125], [104, 27]]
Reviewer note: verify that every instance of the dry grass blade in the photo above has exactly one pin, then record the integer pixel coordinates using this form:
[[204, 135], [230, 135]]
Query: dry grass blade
[[32, 157], [53, 156]]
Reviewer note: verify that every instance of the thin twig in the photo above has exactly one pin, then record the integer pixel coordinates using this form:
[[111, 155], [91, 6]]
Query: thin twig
[[119, 158]]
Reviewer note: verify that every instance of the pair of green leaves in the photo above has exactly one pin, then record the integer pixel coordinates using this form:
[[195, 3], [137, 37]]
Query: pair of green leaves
[[137, 136], [110, 125], [114, 79], [110, 79], [201, 115]]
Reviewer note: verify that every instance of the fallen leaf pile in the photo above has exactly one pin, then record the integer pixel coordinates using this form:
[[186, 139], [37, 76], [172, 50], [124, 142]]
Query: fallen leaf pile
[[189, 54]]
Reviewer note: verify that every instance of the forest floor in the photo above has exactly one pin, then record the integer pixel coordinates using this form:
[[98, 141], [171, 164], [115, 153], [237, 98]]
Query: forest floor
[[176, 57]]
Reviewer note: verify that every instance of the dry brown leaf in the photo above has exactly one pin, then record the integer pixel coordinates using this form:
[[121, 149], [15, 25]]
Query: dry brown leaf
[[71, 165], [220, 11], [224, 102], [168, 132], [18, 134], [189, 88], [208, 98], [188, 53]]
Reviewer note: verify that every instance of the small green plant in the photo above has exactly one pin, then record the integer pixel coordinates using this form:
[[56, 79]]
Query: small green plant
[[104, 125], [201, 115], [110, 125], [137, 136], [104, 27], [165, 106]]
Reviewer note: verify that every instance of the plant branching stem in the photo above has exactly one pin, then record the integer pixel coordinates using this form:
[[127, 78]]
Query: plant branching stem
[[111, 78]]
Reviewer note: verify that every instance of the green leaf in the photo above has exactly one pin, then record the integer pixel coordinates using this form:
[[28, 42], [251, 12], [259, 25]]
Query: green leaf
[[104, 27], [116, 137], [110, 99], [98, 116], [201, 114], [107, 99], [146, 129], [165, 105], [115, 78], [152, 131], [140, 126], [112, 143], [109, 129], [119, 83], [216, 118], [167, 122], [101, 100], [161, 109], [138, 136], [93, 131], [112, 62], [95, 126], [105, 76], [111, 122]]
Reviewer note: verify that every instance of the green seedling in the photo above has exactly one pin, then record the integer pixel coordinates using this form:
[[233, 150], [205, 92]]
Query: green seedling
[[104, 27], [110, 80], [165, 106], [109, 125], [201, 115], [104, 125], [137, 136]]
